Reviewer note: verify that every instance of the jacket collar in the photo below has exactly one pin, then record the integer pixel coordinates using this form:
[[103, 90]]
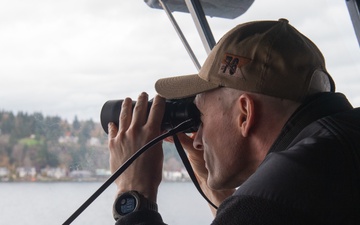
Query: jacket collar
[[313, 108]]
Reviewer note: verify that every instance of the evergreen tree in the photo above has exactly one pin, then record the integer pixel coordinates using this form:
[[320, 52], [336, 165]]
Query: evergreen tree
[[76, 124], [7, 122]]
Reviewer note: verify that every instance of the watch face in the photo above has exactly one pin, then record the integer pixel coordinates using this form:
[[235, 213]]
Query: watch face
[[126, 204]]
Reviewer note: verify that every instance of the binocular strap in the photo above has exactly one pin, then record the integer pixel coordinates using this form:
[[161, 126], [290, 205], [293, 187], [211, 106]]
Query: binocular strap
[[189, 169]]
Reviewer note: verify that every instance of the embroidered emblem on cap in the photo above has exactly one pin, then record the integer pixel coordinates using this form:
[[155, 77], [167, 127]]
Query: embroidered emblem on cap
[[231, 64]]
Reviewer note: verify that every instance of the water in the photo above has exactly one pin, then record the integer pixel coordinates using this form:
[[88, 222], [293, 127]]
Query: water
[[53, 203]]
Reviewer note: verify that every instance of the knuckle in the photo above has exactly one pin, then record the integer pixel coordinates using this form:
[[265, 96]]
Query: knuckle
[[111, 145], [152, 126], [124, 114], [133, 131], [138, 107]]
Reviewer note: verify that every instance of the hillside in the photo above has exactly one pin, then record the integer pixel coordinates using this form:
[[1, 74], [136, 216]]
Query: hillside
[[33, 146]]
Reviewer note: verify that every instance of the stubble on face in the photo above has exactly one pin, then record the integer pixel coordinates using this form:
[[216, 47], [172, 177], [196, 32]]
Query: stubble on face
[[220, 138]]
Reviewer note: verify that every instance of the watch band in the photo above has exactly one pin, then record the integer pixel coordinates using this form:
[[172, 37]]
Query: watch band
[[131, 201]]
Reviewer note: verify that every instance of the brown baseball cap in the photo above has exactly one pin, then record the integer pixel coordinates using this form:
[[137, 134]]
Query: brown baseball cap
[[265, 57]]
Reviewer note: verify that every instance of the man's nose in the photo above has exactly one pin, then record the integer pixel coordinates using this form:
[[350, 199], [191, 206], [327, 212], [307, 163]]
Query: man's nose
[[198, 145]]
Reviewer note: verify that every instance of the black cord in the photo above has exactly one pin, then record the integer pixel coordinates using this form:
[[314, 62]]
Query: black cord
[[181, 127]]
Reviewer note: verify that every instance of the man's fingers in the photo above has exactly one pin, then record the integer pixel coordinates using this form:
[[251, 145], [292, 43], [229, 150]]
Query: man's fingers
[[169, 139], [125, 115], [112, 130], [186, 141], [157, 111], [140, 110]]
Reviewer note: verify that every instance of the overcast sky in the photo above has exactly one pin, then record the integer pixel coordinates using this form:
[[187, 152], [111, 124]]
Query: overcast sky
[[67, 58]]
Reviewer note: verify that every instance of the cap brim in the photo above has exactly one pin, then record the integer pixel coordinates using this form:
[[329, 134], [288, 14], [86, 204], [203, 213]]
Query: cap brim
[[183, 86]]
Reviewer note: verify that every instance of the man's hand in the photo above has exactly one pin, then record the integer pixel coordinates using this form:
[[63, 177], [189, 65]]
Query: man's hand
[[135, 130]]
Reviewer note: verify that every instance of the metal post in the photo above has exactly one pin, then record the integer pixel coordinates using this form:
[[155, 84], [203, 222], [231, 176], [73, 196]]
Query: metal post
[[181, 35], [353, 7], [201, 24]]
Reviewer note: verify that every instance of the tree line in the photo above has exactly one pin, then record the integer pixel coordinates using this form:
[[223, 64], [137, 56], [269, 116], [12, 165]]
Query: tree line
[[38, 141], [35, 140]]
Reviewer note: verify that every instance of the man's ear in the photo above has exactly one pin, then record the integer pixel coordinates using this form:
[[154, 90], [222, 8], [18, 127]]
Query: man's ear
[[246, 117]]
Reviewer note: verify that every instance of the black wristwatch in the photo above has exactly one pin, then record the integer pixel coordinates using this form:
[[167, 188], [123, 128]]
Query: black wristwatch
[[131, 201]]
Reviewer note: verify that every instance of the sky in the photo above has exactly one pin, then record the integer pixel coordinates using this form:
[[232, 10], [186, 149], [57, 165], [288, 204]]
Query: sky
[[67, 58]]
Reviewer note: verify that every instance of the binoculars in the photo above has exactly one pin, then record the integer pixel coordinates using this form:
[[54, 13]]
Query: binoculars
[[176, 112]]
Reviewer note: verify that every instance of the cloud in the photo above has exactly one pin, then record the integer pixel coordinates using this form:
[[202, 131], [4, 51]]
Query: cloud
[[67, 57]]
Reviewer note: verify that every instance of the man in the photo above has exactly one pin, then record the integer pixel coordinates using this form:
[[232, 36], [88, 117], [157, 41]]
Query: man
[[276, 144]]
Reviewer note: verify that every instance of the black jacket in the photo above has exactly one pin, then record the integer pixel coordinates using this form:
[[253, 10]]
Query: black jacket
[[310, 176]]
